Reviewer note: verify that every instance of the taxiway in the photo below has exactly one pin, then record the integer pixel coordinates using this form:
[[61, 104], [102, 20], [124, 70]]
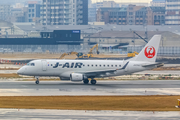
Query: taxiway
[[128, 87], [24, 114]]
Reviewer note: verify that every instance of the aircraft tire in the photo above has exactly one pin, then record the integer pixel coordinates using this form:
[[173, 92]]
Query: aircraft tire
[[86, 81], [37, 82], [93, 82]]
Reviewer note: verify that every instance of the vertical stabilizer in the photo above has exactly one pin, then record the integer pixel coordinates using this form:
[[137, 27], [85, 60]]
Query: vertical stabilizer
[[149, 52]]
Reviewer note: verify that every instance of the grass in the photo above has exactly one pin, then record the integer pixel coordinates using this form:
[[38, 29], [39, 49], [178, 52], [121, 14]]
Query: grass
[[11, 75], [5, 68], [130, 103]]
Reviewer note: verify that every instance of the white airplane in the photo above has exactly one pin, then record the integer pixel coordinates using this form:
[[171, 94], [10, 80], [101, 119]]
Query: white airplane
[[82, 70]]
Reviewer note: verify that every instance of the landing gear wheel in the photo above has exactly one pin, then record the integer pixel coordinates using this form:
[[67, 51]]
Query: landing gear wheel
[[93, 82], [37, 79], [86, 81], [37, 82]]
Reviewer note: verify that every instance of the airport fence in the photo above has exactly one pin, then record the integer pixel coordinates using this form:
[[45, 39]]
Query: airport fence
[[163, 51]]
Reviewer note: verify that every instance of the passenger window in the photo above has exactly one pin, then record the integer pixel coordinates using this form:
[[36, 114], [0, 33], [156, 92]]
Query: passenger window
[[116, 65], [92, 65], [108, 65], [104, 65], [119, 65], [100, 65], [111, 65], [88, 65], [96, 65], [51, 64]]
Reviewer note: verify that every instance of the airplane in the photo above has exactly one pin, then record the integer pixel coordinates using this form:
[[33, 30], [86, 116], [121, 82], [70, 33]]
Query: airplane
[[83, 70]]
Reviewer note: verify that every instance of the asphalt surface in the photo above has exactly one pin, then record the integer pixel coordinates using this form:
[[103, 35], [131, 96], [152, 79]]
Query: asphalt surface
[[129, 87], [133, 87], [22, 114]]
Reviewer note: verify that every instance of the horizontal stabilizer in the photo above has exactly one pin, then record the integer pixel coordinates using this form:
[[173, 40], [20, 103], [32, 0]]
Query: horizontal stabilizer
[[149, 65]]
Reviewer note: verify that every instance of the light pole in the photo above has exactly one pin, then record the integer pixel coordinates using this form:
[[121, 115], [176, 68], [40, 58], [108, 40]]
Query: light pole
[[99, 40]]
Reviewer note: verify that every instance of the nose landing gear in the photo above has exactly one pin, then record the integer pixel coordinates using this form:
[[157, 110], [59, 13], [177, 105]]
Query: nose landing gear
[[37, 80]]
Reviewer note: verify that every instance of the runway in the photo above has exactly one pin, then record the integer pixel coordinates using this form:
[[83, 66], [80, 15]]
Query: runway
[[24, 114], [128, 87], [52, 88]]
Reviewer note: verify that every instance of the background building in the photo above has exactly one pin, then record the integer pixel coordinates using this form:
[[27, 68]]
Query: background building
[[172, 12], [52, 41], [135, 3], [5, 11], [69, 12], [106, 4], [19, 15], [112, 15], [132, 15], [93, 7], [158, 15], [33, 11], [136, 15], [91, 12], [160, 3]]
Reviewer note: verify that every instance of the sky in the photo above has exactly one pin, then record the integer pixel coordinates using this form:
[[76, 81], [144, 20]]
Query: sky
[[125, 1]]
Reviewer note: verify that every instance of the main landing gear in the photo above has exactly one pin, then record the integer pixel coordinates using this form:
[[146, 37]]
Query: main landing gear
[[37, 80], [86, 81], [93, 81]]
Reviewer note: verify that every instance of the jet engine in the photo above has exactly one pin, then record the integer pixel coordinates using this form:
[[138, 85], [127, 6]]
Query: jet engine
[[76, 77]]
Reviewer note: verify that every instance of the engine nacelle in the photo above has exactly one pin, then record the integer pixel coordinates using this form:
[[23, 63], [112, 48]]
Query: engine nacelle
[[76, 77]]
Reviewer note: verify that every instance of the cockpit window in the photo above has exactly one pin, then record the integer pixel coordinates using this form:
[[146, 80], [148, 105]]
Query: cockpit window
[[31, 64]]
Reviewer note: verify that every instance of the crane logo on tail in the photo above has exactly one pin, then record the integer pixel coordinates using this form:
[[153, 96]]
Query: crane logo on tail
[[149, 51]]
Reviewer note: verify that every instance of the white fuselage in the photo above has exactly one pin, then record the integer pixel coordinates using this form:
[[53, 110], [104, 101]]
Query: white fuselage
[[63, 68]]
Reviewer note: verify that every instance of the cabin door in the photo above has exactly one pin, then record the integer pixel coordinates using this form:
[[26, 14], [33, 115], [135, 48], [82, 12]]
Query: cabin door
[[44, 65]]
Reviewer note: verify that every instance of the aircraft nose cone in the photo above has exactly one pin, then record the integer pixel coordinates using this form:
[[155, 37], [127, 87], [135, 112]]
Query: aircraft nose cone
[[20, 71]]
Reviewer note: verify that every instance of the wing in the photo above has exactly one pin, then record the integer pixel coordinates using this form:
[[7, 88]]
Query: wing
[[98, 72]]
